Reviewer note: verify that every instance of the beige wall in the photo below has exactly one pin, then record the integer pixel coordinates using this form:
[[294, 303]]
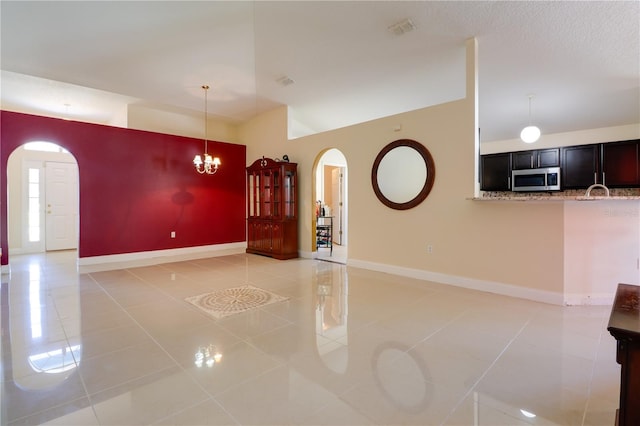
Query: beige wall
[[607, 134], [142, 117], [507, 247], [502, 243]]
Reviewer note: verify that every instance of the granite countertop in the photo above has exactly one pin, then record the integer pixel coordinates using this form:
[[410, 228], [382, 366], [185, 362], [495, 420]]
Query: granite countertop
[[556, 198], [616, 194]]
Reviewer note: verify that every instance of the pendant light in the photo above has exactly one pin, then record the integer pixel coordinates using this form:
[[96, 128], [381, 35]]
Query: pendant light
[[210, 164], [531, 133]]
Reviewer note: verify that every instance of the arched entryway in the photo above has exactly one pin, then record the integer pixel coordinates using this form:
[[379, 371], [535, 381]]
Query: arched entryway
[[330, 218], [42, 192], [43, 216]]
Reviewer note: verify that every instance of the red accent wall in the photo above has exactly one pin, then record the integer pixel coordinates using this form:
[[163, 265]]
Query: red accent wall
[[137, 186]]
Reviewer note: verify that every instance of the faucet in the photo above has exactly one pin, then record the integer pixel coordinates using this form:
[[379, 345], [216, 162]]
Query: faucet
[[596, 185]]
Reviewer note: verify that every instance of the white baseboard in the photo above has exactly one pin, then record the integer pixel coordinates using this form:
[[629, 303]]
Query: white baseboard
[[307, 254], [165, 256], [464, 282], [599, 299]]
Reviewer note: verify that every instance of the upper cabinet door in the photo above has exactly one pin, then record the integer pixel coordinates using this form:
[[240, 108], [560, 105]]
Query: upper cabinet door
[[580, 166], [523, 160], [495, 172], [621, 163], [536, 158], [548, 157]]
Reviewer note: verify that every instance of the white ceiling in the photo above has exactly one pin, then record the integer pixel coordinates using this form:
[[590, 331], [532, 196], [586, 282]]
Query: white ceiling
[[88, 60]]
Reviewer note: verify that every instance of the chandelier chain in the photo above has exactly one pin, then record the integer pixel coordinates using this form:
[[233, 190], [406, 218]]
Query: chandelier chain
[[209, 164], [206, 124]]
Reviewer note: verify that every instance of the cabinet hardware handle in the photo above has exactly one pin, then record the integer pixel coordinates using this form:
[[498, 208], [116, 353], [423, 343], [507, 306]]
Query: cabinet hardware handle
[[604, 175]]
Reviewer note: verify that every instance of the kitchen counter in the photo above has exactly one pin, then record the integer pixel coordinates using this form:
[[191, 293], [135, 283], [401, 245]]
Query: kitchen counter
[[616, 194], [556, 198]]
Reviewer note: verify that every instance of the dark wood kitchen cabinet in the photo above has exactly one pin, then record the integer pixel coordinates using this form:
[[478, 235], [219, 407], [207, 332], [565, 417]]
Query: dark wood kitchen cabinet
[[272, 222], [534, 159], [615, 164], [580, 166], [495, 172], [621, 163]]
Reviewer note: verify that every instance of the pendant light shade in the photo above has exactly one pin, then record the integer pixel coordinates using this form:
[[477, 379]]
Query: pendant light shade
[[531, 133]]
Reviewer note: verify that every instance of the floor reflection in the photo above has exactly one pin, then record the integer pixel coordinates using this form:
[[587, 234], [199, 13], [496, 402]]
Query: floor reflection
[[332, 290], [121, 345], [489, 411], [44, 334]]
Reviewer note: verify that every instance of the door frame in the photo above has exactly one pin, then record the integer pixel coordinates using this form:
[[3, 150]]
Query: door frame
[[16, 177], [318, 167]]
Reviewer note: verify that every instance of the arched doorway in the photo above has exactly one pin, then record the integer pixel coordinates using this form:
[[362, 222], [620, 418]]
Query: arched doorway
[[330, 177], [42, 193], [43, 216]]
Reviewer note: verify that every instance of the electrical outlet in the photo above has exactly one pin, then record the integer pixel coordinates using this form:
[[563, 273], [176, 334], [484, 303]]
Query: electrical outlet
[[173, 234], [429, 248]]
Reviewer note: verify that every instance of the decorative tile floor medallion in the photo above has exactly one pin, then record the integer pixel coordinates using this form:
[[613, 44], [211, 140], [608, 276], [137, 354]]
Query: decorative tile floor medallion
[[230, 301]]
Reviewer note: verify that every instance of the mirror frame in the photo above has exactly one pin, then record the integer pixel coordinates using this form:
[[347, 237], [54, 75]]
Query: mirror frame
[[428, 184]]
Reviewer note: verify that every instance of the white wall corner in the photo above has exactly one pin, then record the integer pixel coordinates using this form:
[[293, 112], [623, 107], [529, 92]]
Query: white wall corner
[[600, 299], [307, 254]]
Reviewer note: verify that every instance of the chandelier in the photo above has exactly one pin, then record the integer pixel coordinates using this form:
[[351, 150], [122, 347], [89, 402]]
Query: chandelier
[[210, 164]]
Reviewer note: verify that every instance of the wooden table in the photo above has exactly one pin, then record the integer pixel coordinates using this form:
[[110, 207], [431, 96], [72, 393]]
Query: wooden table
[[624, 325]]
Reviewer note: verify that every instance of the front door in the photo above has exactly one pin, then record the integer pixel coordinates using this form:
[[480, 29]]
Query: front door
[[61, 209]]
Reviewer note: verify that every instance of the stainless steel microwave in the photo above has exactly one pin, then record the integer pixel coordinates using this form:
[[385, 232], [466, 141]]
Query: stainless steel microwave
[[543, 179]]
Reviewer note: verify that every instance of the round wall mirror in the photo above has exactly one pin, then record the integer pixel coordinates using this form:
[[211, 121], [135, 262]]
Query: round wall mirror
[[403, 174]]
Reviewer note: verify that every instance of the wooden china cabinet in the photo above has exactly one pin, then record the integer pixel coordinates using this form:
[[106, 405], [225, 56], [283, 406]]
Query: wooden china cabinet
[[272, 222]]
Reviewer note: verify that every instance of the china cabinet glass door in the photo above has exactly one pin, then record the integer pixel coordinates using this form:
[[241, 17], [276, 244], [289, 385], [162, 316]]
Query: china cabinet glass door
[[289, 194]]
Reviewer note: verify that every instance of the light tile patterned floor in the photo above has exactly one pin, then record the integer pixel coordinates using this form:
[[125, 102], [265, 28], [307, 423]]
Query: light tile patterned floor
[[349, 347], [234, 300]]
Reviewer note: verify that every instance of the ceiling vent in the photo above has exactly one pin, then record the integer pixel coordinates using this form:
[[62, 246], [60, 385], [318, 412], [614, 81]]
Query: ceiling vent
[[402, 27], [285, 81]]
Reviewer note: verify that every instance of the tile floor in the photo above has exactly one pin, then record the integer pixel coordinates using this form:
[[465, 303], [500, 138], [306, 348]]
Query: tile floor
[[349, 347], [337, 255]]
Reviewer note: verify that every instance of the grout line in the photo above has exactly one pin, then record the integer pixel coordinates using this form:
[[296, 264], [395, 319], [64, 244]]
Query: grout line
[[486, 371]]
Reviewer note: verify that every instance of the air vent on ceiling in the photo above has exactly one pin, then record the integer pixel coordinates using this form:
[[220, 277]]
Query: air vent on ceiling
[[285, 81], [402, 27]]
